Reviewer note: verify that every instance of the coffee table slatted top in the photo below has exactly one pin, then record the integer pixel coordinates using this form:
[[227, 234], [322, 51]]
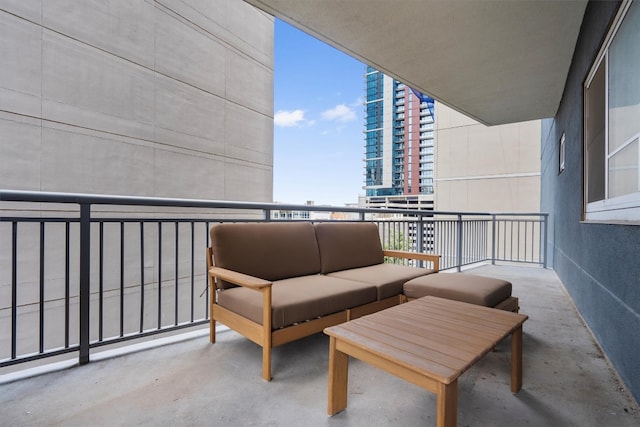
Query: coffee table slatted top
[[419, 335]]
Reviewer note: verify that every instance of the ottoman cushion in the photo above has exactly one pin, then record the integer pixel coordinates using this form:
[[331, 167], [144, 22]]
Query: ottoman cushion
[[479, 290]]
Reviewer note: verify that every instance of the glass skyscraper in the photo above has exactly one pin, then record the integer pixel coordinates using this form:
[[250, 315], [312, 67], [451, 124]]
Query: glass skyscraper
[[399, 135]]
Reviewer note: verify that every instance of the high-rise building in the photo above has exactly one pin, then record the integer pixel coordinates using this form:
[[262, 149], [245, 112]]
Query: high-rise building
[[451, 163], [399, 149]]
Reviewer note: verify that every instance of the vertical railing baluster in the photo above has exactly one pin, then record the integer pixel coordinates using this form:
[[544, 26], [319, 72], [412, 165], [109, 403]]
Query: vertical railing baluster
[[67, 290], [421, 237], [41, 287], [478, 241], [473, 240], [141, 276], [452, 242], [121, 278], [482, 248], [537, 229], [206, 276], [518, 228], [193, 266], [482, 242], [512, 234], [14, 288], [543, 241], [467, 254], [504, 243], [470, 235], [176, 278], [526, 222], [100, 280], [459, 242], [443, 244], [486, 240], [493, 239], [534, 226], [444, 238], [159, 274], [85, 280]]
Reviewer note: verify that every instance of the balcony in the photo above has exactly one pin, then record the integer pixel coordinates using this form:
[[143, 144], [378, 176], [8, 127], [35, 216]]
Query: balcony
[[187, 381], [157, 367]]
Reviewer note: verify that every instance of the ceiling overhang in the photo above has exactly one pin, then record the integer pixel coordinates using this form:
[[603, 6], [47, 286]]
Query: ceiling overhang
[[498, 62]]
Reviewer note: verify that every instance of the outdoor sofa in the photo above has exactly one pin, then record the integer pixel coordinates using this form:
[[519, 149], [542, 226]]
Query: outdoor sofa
[[276, 282]]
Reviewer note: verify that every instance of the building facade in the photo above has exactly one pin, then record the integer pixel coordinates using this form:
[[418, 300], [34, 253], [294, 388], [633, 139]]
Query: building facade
[[486, 168], [166, 99], [421, 154], [399, 149]]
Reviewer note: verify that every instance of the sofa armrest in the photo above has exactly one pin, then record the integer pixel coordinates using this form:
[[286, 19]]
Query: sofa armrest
[[432, 258], [239, 278]]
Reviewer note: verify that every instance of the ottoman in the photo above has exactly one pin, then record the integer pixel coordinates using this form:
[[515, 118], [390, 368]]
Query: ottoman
[[479, 290]]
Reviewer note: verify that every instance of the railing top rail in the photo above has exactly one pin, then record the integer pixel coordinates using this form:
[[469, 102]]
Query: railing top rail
[[105, 199]]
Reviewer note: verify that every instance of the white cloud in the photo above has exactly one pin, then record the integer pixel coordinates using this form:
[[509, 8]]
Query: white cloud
[[339, 113], [289, 118]]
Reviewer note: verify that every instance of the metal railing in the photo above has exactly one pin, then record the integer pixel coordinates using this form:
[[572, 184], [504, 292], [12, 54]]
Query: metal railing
[[79, 272]]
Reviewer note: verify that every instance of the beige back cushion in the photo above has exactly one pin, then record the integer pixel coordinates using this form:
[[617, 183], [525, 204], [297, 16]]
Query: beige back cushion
[[345, 245], [270, 250]]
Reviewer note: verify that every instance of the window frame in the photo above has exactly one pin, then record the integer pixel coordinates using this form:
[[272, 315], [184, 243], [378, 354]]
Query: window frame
[[615, 209]]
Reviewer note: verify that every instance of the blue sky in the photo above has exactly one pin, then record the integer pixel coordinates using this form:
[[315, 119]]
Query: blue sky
[[318, 121]]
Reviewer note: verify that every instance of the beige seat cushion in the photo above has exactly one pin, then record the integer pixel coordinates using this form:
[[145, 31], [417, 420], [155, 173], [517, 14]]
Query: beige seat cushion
[[478, 290], [298, 299], [388, 278]]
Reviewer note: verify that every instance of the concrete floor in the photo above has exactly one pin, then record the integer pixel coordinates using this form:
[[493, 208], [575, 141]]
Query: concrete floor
[[567, 381]]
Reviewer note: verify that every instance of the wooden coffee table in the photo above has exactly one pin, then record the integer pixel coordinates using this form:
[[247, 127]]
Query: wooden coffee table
[[429, 342]]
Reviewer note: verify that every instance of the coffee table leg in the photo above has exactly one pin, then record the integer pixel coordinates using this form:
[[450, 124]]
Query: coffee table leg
[[338, 375], [447, 409], [516, 360]]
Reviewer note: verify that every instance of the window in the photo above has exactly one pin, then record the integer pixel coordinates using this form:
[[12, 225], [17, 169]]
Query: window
[[611, 124]]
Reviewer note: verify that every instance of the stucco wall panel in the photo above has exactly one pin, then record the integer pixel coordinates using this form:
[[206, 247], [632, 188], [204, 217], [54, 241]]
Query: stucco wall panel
[[94, 163], [193, 117], [252, 88], [118, 27], [92, 89], [20, 152], [246, 181], [206, 175], [250, 38], [20, 73], [189, 54], [242, 126]]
